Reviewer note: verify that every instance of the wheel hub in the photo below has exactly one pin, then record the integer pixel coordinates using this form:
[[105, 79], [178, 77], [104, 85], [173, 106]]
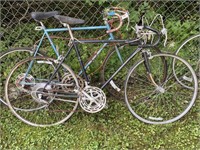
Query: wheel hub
[[160, 89], [24, 82]]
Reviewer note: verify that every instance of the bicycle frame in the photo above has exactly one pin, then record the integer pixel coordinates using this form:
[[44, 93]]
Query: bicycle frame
[[75, 46], [47, 31]]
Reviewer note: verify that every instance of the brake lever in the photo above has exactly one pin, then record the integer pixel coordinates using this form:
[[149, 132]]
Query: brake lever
[[164, 32], [156, 32]]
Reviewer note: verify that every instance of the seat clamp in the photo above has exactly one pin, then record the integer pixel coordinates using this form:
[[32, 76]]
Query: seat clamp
[[38, 28]]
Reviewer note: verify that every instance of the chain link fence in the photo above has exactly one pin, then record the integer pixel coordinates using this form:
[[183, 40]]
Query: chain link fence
[[17, 27]]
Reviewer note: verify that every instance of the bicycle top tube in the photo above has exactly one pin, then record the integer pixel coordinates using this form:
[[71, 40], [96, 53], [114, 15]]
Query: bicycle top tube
[[77, 28]]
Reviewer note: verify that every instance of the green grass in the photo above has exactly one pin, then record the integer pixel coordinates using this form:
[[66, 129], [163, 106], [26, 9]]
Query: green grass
[[112, 128]]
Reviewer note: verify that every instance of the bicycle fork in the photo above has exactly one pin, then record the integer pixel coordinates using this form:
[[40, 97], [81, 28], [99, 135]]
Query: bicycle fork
[[146, 56]]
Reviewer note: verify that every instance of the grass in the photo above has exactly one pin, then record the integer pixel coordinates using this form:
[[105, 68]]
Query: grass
[[112, 128]]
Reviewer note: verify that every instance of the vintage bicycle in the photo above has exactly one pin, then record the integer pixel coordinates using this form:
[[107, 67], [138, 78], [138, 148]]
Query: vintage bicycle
[[47, 91]]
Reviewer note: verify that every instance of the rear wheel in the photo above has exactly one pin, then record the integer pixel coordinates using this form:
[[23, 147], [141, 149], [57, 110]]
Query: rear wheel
[[36, 103]]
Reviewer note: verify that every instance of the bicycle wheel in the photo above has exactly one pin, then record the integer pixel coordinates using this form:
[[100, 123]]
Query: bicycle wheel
[[190, 51], [35, 104], [112, 63], [168, 100], [8, 59]]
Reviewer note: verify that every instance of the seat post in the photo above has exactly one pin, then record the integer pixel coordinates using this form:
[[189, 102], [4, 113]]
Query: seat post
[[70, 31]]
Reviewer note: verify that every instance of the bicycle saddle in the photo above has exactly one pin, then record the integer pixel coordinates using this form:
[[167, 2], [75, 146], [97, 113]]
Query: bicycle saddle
[[69, 20], [43, 15]]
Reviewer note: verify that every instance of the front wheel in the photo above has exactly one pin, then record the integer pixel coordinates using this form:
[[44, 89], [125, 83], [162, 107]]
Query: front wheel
[[167, 100]]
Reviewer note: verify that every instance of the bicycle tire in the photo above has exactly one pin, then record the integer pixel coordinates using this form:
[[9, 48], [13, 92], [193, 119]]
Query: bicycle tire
[[35, 105], [161, 104], [191, 46], [12, 56]]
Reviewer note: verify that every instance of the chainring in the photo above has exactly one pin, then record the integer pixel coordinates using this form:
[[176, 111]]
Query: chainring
[[92, 99], [69, 83]]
